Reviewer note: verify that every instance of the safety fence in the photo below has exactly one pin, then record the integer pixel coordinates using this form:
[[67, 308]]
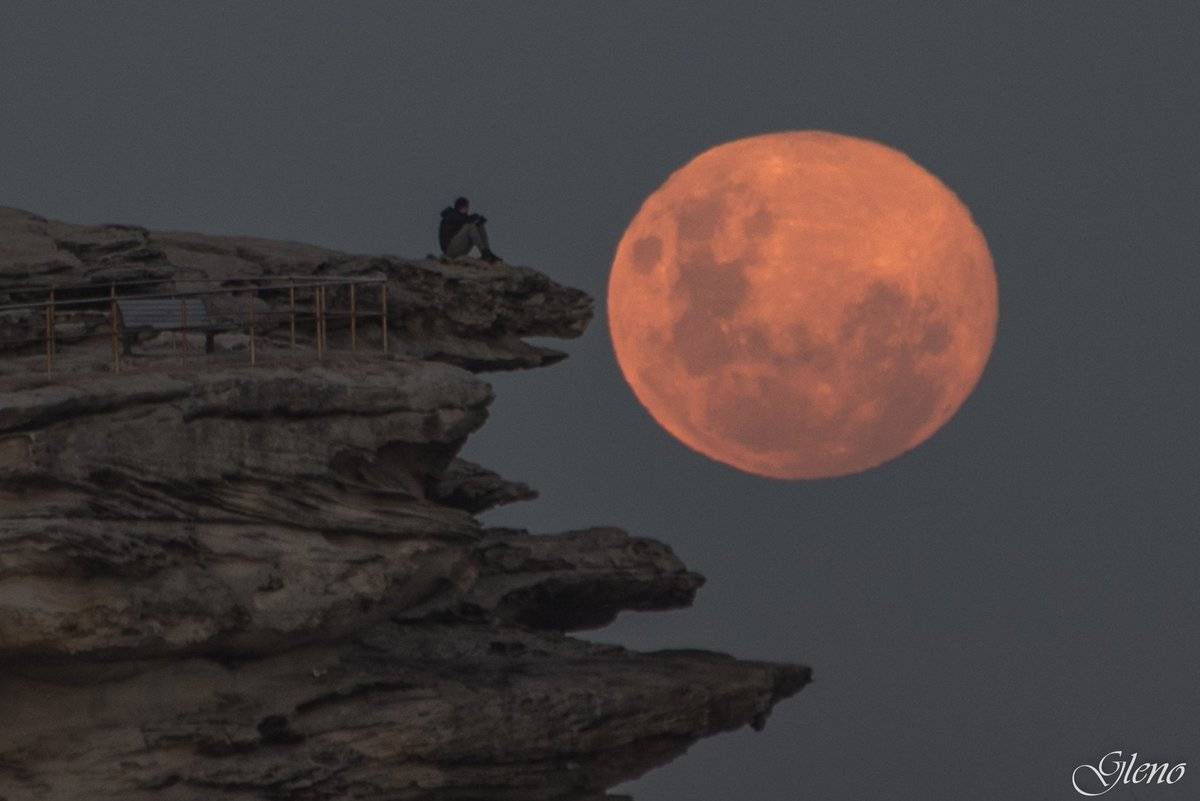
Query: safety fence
[[125, 310]]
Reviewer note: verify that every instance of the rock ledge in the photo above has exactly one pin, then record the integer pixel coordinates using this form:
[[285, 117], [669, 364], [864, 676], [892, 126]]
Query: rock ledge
[[225, 582]]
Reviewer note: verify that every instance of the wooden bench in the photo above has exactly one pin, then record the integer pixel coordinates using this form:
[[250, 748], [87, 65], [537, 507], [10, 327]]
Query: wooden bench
[[139, 315]]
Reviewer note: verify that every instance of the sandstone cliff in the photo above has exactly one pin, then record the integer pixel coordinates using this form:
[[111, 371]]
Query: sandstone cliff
[[225, 582]]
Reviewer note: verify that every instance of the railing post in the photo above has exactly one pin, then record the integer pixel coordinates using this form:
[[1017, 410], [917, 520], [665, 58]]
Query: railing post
[[184, 333], [116, 348], [353, 321], [383, 315], [253, 355], [53, 323], [50, 334], [318, 314]]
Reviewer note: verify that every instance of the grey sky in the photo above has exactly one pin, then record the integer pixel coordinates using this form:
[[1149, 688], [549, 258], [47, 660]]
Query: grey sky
[[1014, 598]]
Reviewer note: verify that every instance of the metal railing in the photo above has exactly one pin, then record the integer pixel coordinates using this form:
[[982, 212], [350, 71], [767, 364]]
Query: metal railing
[[109, 295]]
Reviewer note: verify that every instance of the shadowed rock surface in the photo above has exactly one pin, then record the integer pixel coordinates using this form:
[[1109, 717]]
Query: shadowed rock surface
[[466, 485], [219, 582], [411, 711]]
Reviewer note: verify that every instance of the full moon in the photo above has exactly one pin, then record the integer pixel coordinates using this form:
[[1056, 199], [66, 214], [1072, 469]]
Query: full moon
[[802, 304]]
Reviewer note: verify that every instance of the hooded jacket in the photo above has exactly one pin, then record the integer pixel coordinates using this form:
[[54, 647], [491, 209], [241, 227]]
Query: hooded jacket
[[452, 221]]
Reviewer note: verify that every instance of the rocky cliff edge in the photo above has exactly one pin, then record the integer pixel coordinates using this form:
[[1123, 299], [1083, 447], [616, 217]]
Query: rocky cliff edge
[[225, 582]]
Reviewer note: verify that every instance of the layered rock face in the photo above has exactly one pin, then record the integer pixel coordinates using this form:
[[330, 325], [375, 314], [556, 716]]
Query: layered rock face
[[225, 582]]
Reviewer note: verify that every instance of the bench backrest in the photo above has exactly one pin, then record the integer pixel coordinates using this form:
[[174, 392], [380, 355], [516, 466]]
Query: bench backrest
[[164, 314]]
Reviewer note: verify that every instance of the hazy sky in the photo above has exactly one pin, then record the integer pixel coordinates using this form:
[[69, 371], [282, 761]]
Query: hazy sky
[[1014, 598]]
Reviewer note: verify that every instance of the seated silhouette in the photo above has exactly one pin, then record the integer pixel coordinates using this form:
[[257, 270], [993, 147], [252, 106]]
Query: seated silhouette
[[460, 230]]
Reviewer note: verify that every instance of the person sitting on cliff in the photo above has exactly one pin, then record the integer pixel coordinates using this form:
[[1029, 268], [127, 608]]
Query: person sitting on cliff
[[460, 230]]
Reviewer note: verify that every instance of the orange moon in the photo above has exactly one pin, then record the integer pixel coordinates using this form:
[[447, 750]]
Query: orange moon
[[802, 304]]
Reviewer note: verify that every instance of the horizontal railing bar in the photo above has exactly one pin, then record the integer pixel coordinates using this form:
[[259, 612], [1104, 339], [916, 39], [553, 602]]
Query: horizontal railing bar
[[147, 281], [156, 312], [328, 315], [12, 344], [59, 304]]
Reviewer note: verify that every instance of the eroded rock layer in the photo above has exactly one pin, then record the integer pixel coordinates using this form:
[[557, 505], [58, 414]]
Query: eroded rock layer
[[413, 711], [225, 582]]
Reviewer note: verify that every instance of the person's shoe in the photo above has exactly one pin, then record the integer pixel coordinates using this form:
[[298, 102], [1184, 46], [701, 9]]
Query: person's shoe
[[490, 257]]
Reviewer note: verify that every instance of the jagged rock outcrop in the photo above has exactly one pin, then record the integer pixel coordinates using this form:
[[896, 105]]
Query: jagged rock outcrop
[[352, 450], [466, 313], [565, 582], [219, 582], [466, 485], [415, 711]]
